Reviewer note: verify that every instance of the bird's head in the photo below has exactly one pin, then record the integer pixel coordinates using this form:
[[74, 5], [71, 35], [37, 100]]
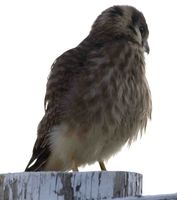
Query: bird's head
[[124, 22]]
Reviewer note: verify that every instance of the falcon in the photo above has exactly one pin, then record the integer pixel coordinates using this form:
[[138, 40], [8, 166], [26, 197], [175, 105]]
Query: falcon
[[97, 95]]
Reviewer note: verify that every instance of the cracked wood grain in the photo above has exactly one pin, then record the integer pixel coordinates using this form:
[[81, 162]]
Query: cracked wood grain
[[69, 186]]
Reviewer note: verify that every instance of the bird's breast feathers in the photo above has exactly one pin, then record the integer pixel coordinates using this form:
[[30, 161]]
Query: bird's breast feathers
[[104, 114]]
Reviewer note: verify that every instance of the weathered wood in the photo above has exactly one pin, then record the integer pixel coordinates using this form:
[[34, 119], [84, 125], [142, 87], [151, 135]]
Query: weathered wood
[[68, 186], [151, 197]]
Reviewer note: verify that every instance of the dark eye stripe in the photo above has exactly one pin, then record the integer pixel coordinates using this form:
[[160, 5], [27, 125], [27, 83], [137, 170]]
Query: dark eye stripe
[[135, 18], [131, 27], [142, 30]]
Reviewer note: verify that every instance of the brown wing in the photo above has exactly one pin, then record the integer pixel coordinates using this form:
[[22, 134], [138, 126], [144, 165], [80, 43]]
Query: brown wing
[[41, 150], [62, 74]]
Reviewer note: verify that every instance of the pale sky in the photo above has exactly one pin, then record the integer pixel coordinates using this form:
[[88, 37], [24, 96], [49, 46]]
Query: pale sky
[[34, 32]]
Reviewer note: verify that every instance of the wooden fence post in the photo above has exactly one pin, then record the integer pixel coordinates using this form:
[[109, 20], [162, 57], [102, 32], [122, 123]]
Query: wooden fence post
[[69, 186]]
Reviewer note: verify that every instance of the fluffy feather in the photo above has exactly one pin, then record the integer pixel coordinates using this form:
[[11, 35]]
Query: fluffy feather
[[97, 96]]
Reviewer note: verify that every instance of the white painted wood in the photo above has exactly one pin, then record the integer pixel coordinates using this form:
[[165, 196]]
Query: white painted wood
[[69, 186]]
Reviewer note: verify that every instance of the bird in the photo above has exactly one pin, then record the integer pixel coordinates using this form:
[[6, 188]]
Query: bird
[[97, 95]]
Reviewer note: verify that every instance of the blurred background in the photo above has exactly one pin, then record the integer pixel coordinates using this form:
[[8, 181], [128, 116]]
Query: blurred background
[[33, 33]]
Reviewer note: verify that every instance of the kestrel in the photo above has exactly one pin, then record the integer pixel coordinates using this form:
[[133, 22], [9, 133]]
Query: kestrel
[[97, 96]]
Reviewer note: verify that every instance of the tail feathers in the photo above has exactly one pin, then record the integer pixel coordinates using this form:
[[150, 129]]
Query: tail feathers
[[37, 166], [38, 160]]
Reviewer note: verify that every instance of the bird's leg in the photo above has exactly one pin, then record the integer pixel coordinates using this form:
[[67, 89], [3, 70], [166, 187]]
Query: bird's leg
[[102, 166], [75, 168], [74, 165]]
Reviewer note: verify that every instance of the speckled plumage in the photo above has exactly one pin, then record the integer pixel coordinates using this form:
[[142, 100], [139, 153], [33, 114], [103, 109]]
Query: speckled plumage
[[97, 96]]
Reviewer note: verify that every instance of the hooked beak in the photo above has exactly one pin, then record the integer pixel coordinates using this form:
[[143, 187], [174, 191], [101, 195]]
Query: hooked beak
[[146, 47]]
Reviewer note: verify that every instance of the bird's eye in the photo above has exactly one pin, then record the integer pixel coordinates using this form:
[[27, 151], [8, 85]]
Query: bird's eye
[[142, 31]]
